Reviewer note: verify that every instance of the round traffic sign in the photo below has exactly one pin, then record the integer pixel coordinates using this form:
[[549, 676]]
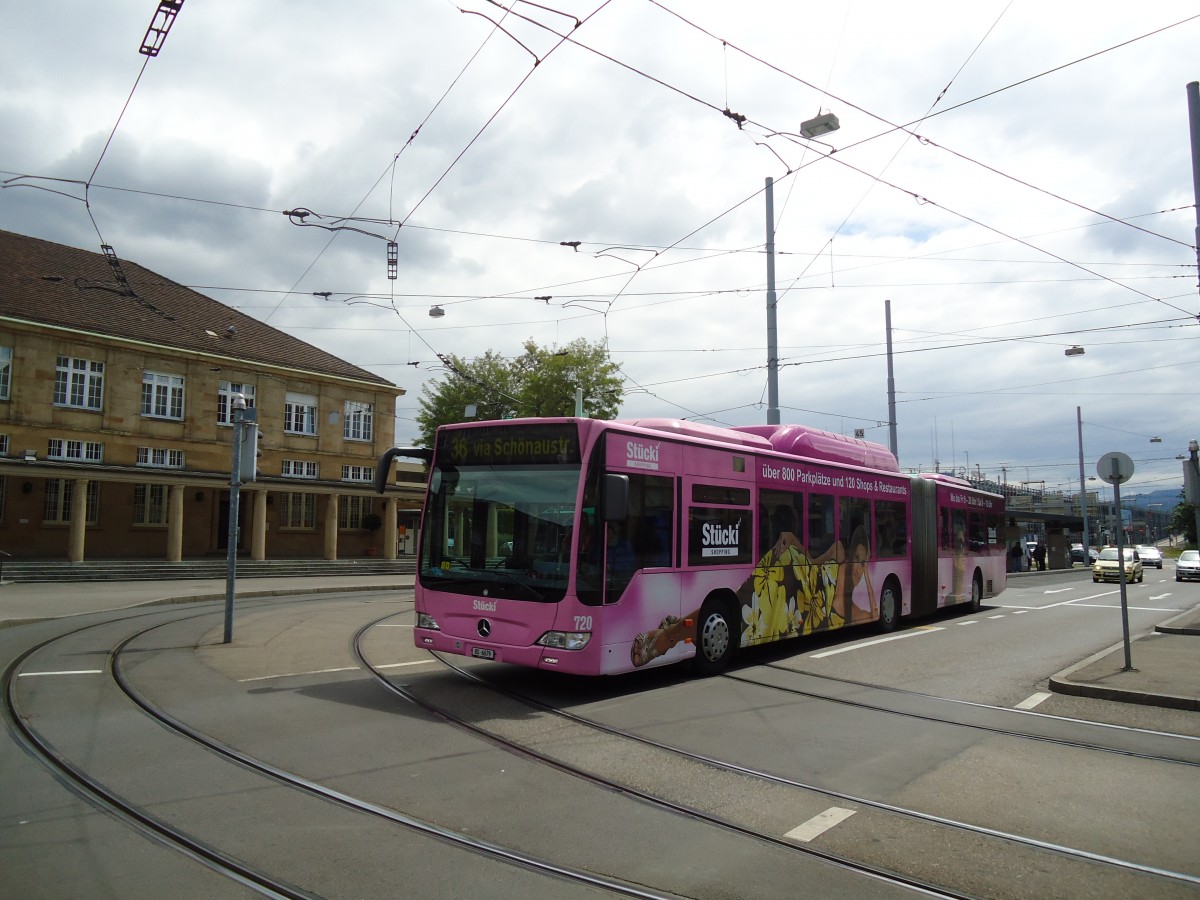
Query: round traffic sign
[[1115, 467]]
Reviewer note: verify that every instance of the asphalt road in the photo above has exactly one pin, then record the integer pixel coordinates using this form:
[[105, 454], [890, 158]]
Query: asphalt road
[[936, 753]]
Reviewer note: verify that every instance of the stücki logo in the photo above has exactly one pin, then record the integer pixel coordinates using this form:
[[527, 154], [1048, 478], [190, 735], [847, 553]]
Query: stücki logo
[[720, 540], [641, 456], [484, 605]]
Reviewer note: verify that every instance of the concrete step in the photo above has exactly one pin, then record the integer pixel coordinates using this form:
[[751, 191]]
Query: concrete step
[[26, 571]]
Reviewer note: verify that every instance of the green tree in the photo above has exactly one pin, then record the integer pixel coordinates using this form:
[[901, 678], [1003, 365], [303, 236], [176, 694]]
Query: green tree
[[1184, 520], [539, 382]]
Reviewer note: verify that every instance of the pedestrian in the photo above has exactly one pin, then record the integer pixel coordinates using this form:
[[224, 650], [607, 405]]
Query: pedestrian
[[1015, 556], [1039, 556]]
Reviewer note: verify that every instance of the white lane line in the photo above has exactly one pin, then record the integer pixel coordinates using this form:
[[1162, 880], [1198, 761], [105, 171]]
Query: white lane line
[[916, 632], [417, 662], [969, 622], [70, 672], [1020, 612], [1058, 590], [298, 674], [1131, 608], [819, 824], [1033, 700], [1001, 616]]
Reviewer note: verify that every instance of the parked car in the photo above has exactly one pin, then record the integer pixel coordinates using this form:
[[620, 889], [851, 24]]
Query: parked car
[[1077, 555], [1188, 565], [1107, 566], [1151, 556]]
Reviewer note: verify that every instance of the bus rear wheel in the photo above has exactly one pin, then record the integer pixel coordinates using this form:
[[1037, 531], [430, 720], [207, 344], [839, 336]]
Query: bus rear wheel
[[976, 593], [889, 606], [714, 639]]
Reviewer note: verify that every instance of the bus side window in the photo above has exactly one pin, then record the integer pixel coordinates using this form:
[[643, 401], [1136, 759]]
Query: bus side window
[[820, 524], [891, 539]]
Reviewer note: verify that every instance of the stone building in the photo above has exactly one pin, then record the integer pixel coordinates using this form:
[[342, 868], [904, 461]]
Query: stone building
[[117, 394]]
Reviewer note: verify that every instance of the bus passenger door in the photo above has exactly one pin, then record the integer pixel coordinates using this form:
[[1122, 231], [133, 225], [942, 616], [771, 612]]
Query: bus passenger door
[[640, 578]]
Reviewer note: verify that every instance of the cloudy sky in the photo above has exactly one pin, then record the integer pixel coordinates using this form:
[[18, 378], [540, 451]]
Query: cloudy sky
[[1014, 177]]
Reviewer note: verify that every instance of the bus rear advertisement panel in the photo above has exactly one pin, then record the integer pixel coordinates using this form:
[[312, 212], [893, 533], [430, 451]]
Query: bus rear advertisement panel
[[599, 547]]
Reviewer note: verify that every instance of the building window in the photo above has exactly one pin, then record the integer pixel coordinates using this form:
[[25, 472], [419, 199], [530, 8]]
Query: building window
[[79, 383], [3, 445], [160, 457], [162, 395], [298, 468], [358, 473], [359, 420], [149, 504], [351, 511], [298, 511], [300, 414], [5, 371], [74, 451], [225, 392], [56, 509]]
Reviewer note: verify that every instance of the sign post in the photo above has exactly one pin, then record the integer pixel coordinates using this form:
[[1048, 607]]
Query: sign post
[[1116, 469]]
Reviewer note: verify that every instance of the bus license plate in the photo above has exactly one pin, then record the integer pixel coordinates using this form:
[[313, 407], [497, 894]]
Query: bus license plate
[[483, 653]]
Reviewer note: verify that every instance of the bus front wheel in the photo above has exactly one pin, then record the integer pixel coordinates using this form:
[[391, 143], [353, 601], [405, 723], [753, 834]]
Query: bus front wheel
[[715, 641], [889, 606]]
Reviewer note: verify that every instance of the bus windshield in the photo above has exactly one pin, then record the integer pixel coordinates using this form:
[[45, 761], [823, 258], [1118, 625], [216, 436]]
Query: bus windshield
[[500, 531]]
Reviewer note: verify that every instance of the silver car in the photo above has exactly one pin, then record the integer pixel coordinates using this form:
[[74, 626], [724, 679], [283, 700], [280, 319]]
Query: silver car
[[1151, 556], [1188, 565]]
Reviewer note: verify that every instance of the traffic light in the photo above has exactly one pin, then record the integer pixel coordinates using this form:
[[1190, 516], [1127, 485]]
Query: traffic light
[[250, 452]]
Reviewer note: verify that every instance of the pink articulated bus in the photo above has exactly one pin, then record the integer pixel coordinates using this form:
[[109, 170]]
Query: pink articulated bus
[[598, 547]]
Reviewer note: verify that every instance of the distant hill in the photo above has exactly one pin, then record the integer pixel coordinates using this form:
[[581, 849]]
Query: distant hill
[[1168, 497]]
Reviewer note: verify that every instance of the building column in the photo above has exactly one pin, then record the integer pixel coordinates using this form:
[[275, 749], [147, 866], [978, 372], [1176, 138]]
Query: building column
[[258, 527], [331, 527], [389, 528], [75, 540], [175, 522]]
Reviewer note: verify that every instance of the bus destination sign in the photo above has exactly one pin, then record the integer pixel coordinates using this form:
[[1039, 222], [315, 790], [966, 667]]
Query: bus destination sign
[[509, 445]]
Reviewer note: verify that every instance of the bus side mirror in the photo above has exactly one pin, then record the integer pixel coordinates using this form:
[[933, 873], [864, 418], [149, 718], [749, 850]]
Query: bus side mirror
[[616, 498]]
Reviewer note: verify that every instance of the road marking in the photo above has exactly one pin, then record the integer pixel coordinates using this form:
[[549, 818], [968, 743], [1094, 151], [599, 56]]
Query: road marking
[[416, 662], [297, 674], [71, 672], [969, 622], [1130, 608], [819, 824], [1033, 700], [1001, 616], [1159, 597], [419, 662], [1020, 612], [915, 632], [1058, 590]]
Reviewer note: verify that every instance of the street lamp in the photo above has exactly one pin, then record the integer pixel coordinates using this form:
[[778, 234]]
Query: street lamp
[[822, 124]]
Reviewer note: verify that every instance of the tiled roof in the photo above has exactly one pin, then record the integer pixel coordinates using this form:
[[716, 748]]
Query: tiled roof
[[53, 284]]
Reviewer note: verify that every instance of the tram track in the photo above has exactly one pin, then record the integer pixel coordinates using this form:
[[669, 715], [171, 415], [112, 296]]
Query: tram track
[[1184, 881], [87, 785], [527, 752]]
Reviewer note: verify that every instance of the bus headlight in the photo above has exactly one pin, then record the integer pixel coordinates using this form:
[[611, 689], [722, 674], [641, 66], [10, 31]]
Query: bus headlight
[[565, 640], [425, 620]]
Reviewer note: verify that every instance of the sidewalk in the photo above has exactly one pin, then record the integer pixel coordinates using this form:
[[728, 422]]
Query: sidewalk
[[23, 603], [1166, 668]]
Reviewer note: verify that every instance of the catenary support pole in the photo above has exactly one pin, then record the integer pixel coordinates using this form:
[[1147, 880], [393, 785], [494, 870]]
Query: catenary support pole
[[891, 382], [772, 334]]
